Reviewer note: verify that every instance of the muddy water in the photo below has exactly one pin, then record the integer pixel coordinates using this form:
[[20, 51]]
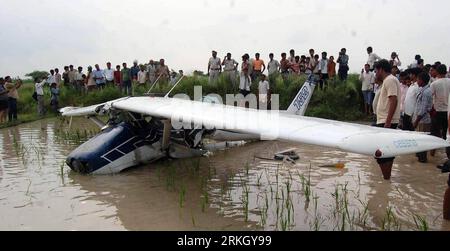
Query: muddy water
[[237, 189]]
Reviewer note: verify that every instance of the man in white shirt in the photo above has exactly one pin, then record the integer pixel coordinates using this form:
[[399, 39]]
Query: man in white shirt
[[373, 58], [323, 70], [79, 80], [410, 100], [415, 64], [151, 70], [142, 76], [263, 93], [39, 88], [230, 70], [58, 77], [368, 79], [291, 56], [214, 68], [273, 66], [395, 60], [388, 107], [109, 74], [51, 79], [440, 89]]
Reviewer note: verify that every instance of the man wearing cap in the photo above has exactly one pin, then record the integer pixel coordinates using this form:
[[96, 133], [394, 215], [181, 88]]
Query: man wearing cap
[[214, 68]]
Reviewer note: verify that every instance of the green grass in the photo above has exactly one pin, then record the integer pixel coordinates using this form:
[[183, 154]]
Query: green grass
[[340, 101]]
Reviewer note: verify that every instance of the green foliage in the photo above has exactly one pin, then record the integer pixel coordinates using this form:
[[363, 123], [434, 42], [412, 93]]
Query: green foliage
[[339, 101], [37, 74]]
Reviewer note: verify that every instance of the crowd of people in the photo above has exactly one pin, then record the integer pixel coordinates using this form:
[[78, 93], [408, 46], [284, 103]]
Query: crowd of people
[[413, 99], [322, 68], [95, 78]]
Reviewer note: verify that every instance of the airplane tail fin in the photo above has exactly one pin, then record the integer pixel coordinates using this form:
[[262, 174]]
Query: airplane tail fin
[[301, 101]]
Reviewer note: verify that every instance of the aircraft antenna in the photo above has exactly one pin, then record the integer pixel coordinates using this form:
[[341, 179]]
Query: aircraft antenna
[[154, 84], [174, 86]]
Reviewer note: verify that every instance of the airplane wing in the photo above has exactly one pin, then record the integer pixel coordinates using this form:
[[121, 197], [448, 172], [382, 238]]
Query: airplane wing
[[276, 125]]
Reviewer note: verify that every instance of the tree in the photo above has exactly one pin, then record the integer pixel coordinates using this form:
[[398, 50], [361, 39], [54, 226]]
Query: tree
[[38, 74]]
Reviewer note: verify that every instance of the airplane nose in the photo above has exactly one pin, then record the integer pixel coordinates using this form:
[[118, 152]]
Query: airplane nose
[[78, 166]]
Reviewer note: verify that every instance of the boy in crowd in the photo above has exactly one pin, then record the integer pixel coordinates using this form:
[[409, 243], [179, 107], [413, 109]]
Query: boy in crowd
[[54, 100], [368, 80], [263, 93]]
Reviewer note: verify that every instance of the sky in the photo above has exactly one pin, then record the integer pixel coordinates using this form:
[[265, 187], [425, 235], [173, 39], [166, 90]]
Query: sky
[[45, 34]]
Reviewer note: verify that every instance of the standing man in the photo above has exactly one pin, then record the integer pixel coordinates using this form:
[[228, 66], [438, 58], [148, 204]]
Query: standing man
[[291, 56], [134, 70], [343, 65], [323, 69], [230, 70], [373, 58], [13, 96], [214, 68], [125, 77], [99, 77], [273, 66], [51, 79], [258, 67], [331, 68], [142, 76], [395, 60], [58, 77], [410, 100], [424, 103], [263, 93], [311, 53], [368, 80], [65, 76], [72, 74], [151, 70], [163, 71], [79, 80], [440, 90], [39, 88], [109, 74], [117, 78], [284, 66], [3, 101], [388, 107]]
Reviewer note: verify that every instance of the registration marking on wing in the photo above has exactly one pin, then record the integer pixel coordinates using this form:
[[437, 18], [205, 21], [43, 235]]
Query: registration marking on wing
[[405, 143]]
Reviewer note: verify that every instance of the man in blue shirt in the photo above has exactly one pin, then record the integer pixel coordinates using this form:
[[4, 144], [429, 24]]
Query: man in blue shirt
[[424, 104], [135, 70], [343, 65], [99, 77]]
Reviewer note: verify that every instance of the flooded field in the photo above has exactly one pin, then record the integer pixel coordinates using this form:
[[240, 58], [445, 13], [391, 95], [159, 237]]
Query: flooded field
[[237, 189]]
